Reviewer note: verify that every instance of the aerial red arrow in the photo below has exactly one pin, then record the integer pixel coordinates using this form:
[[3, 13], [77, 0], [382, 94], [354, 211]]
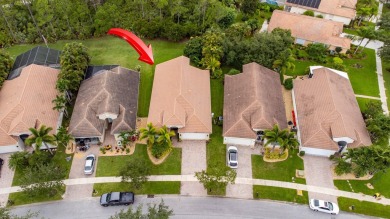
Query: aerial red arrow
[[145, 52]]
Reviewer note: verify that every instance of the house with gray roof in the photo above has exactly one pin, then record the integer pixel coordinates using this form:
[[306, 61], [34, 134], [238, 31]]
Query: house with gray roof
[[106, 103]]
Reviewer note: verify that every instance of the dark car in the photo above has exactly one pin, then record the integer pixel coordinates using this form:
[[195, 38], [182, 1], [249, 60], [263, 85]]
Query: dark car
[[1, 164], [117, 198]]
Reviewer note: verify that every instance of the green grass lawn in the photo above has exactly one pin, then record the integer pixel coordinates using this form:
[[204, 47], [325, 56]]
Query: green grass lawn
[[386, 8], [281, 171], [380, 181], [112, 50], [280, 194], [363, 207], [386, 77], [21, 198], [354, 31], [111, 165], [148, 188], [363, 101], [300, 67]]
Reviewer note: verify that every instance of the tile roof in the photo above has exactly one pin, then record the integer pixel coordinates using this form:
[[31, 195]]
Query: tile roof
[[327, 108], [252, 100], [181, 97], [112, 92], [342, 8], [26, 102], [310, 28]]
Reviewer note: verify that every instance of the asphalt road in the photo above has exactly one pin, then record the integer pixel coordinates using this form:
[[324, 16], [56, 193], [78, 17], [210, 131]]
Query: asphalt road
[[184, 207]]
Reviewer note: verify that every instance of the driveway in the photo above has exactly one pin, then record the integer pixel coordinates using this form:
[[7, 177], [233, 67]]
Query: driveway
[[6, 177], [76, 192], [193, 160], [318, 172], [244, 170]]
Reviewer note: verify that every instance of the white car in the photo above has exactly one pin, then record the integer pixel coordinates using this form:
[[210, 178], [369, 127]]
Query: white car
[[232, 157], [89, 164], [324, 206]]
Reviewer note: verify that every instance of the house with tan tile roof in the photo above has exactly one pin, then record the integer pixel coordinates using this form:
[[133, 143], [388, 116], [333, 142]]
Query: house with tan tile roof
[[307, 30], [253, 102], [26, 102], [327, 113], [335, 10], [181, 99], [106, 103]]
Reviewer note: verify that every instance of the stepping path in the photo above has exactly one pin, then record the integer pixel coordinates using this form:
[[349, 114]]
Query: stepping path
[[245, 181]]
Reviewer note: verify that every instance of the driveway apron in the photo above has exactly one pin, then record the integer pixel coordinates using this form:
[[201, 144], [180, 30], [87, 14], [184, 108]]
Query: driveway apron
[[75, 192], [6, 178], [318, 172], [193, 160], [244, 170]]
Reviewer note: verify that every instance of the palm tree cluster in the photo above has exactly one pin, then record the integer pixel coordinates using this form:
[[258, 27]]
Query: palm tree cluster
[[41, 136], [285, 139], [158, 140]]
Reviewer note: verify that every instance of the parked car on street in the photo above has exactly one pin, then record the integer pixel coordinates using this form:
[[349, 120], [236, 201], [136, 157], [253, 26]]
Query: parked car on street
[[324, 206], [117, 198], [232, 157], [89, 164]]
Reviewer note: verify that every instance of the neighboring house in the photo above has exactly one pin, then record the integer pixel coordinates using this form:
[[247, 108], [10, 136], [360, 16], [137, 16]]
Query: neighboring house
[[39, 55], [328, 116], [336, 10], [26, 102], [181, 99], [107, 101], [253, 102], [307, 30]]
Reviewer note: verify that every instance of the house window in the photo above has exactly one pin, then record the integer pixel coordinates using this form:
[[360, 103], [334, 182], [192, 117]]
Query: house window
[[300, 41], [287, 8]]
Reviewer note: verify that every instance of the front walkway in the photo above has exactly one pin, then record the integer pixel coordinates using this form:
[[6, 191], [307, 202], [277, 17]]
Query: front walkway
[[247, 181], [318, 172], [74, 192], [6, 178], [193, 160]]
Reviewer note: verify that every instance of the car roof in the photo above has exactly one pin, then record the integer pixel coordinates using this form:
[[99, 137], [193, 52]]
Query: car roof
[[88, 163]]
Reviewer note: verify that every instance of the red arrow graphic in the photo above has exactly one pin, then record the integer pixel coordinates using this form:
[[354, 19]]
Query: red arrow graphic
[[145, 52]]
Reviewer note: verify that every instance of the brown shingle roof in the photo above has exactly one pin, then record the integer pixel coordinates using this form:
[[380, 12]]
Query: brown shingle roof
[[252, 100], [342, 8], [310, 28], [326, 109], [26, 102], [112, 91], [181, 97]]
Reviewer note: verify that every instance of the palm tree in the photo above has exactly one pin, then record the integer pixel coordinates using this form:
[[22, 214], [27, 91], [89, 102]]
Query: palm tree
[[62, 137], [289, 142], [60, 104], [284, 62], [41, 136], [274, 136], [149, 132], [366, 32], [165, 136]]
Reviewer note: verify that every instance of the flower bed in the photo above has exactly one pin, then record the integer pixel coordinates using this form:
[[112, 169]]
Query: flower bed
[[275, 155]]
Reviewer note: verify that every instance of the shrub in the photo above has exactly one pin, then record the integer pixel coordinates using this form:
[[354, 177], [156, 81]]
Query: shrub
[[309, 13], [41, 158], [233, 71], [301, 153], [337, 63], [288, 83], [193, 49], [18, 160], [159, 149], [342, 167], [320, 16], [301, 54], [317, 52]]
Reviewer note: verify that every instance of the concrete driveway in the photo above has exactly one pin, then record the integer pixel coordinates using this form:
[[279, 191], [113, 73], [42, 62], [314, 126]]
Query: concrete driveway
[[76, 192], [318, 173], [6, 177], [244, 170], [193, 160]]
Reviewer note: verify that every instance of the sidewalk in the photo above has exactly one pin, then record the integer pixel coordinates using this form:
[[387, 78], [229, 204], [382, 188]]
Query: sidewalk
[[243, 181]]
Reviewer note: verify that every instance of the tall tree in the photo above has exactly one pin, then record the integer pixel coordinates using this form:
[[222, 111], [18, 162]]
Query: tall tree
[[284, 62], [149, 133], [135, 172], [216, 179], [5, 66], [165, 136], [275, 136], [41, 136], [289, 142]]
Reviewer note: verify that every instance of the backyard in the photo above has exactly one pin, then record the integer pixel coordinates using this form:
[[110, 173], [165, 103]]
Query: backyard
[[111, 165], [281, 171], [110, 50]]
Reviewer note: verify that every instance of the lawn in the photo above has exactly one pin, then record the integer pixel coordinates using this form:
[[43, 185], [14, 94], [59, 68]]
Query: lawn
[[281, 171], [363, 207], [111, 165], [364, 79], [280, 194], [148, 188], [386, 77], [354, 31], [380, 181], [20, 198], [363, 101], [216, 150], [112, 50]]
